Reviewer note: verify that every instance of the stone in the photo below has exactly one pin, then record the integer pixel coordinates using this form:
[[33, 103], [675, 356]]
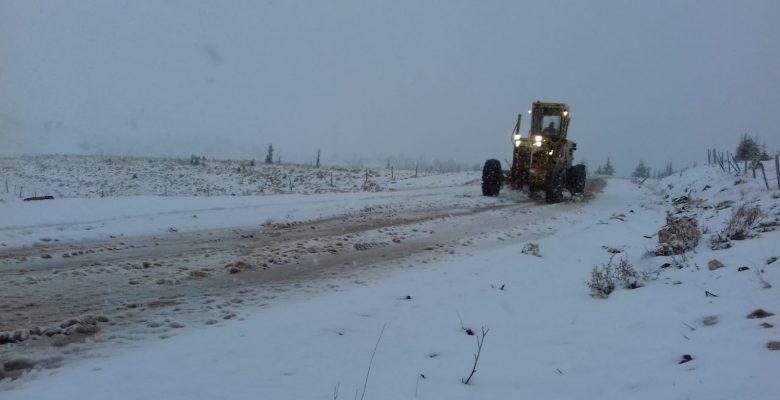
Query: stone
[[49, 332], [710, 320], [759, 313], [714, 264], [21, 335], [69, 322], [532, 249], [773, 345]]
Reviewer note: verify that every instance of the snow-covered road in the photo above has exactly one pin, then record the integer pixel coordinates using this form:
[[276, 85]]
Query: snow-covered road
[[427, 280]]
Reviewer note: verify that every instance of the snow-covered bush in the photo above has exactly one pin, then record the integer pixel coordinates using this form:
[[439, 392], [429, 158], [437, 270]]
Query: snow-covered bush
[[680, 234], [627, 275], [602, 282], [604, 279]]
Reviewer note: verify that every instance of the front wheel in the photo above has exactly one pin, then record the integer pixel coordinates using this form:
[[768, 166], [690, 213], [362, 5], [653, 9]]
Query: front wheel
[[576, 181], [492, 177], [553, 186]]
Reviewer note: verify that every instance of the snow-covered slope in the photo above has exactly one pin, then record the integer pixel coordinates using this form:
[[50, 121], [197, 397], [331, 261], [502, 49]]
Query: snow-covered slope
[[546, 337]]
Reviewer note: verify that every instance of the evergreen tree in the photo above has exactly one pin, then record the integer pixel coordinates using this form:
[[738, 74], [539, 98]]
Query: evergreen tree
[[608, 170], [269, 157], [748, 149], [641, 171]]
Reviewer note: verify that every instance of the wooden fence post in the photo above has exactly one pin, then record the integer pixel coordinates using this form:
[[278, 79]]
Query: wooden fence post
[[763, 172], [777, 170]]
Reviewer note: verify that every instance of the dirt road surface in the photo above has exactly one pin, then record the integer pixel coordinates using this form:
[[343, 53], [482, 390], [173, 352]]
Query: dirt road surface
[[59, 294]]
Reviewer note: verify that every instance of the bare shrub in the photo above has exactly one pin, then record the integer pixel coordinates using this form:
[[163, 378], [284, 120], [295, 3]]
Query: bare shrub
[[601, 283], [739, 227], [604, 279], [627, 275], [742, 221], [680, 234]]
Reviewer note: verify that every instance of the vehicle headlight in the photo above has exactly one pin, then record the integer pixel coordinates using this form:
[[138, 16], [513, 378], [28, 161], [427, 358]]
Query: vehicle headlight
[[538, 141], [550, 153], [565, 113], [517, 143]]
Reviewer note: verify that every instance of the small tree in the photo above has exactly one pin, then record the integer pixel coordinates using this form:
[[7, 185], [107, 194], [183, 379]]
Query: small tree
[[747, 149], [608, 169], [269, 157], [668, 171], [641, 171], [764, 155]]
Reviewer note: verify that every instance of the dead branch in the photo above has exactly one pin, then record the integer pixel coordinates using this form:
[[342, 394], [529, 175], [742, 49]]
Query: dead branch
[[480, 342]]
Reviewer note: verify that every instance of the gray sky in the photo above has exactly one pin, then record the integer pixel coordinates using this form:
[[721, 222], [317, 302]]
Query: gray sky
[[660, 80]]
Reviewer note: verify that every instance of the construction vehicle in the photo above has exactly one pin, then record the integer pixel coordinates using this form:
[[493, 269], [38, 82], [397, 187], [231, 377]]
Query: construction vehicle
[[541, 161]]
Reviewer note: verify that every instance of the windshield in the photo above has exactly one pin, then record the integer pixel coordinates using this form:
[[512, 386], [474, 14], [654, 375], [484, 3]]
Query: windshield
[[547, 121], [552, 125]]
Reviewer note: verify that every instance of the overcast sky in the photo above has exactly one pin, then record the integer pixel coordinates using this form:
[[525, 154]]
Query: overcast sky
[[659, 80]]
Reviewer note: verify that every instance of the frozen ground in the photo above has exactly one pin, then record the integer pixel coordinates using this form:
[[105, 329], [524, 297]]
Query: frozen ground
[[314, 287], [66, 176]]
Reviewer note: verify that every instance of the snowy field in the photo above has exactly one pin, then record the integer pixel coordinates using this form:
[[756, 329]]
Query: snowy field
[[112, 176], [432, 265]]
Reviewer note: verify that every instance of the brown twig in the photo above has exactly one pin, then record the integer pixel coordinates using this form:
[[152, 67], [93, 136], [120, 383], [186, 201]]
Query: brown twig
[[480, 342], [368, 371]]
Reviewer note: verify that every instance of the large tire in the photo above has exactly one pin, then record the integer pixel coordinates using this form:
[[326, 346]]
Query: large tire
[[492, 177], [553, 187], [576, 179]]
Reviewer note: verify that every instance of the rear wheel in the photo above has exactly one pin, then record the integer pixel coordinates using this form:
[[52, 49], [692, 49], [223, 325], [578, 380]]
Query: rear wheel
[[492, 177], [553, 188], [576, 179]]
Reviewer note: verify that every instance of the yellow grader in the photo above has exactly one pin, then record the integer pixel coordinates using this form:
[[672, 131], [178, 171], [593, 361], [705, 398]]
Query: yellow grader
[[541, 161]]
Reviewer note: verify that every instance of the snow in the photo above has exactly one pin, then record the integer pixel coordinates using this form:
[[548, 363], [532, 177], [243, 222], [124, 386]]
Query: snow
[[547, 339], [73, 219], [137, 206]]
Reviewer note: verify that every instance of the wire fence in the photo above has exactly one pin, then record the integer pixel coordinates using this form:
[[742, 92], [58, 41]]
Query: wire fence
[[730, 164]]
